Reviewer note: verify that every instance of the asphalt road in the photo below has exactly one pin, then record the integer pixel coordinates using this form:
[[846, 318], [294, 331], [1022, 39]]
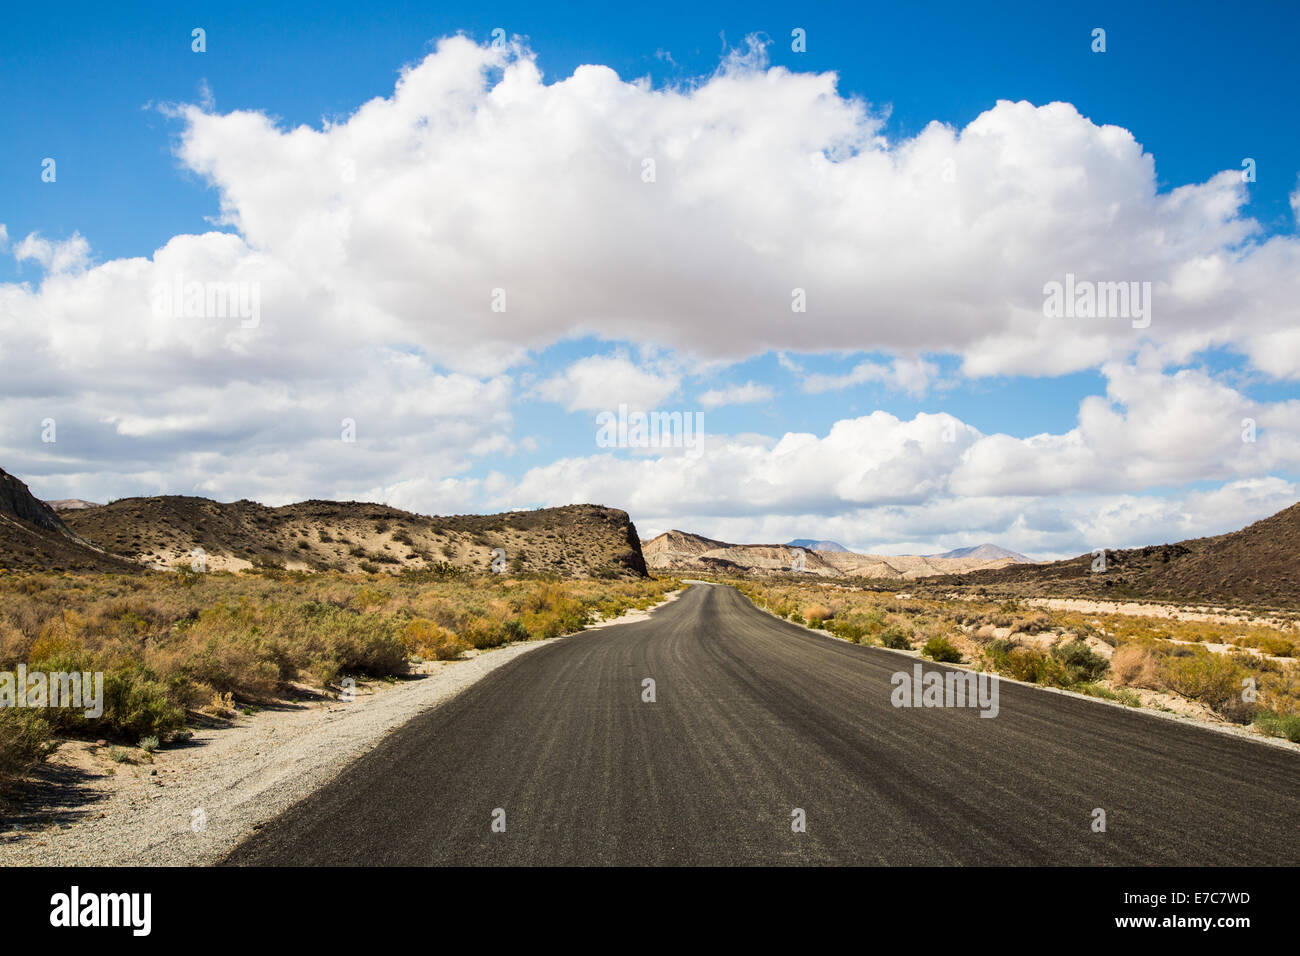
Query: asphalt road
[[755, 718]]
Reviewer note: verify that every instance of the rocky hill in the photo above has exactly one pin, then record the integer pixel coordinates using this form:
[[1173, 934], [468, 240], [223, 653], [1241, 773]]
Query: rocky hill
[[1258, 566], [32, 536], [162, 532], [171, 531]]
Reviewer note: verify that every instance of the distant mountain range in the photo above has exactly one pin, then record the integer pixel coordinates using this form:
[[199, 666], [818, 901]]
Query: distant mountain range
[[980, 552], [71, 504], [681, 551], [811, 545], [984, 552]]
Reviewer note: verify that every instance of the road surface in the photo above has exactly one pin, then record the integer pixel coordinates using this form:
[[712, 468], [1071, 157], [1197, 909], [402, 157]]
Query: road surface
[[755, 719]]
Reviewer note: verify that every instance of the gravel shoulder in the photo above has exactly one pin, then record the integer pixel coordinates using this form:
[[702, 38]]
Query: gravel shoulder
[[194, 802]]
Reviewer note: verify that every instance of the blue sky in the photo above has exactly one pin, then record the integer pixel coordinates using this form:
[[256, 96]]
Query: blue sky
[[1201, 87], [1197, 87]]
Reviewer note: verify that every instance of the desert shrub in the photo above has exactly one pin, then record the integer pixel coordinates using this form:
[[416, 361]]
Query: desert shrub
[[136, 705], [939, 648], [1023, 663], [1134, 666], [550, 611], [431, 640], [136, 700], [857, 625], [1235, 709], [1278, 725], [187, 577], [25, 740], [816, 613], [223, 652], [849, 630], [1213, 679], [1272, 644], [514, 630], [369, 643], [895, 637], [1032, 624], [871, 621], [437, 571], [368, 596], [1081, 663], [482, 633]]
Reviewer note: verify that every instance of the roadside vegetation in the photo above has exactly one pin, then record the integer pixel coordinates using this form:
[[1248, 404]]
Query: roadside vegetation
[[172, 647], [1243, 674]]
